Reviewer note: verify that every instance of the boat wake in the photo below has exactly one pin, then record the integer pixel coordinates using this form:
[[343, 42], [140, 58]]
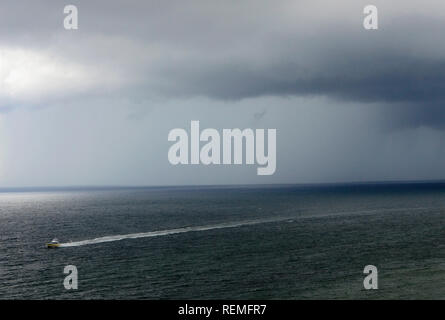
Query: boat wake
[[168, 232], [289, 219]]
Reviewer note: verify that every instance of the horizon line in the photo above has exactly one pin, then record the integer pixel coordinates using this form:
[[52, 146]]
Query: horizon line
[[302, 184]]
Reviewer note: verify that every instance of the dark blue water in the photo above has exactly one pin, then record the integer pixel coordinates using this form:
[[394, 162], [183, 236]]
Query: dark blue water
[[283, 242]]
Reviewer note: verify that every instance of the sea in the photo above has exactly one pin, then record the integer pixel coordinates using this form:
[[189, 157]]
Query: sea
[[225, 242]]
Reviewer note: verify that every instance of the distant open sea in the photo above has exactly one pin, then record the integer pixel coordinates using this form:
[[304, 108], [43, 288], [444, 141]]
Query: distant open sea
[[269, 242]]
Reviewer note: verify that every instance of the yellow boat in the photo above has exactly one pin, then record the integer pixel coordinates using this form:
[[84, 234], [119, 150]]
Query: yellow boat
[[53, 244]]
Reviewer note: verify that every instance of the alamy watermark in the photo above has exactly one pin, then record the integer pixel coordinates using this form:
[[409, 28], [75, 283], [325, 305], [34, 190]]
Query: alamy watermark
[[71, 280], [371, 280], [370, 22], [210, 153], [71, 21]]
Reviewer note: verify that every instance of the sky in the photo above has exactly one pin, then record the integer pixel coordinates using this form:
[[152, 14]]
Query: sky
[[94, 106]]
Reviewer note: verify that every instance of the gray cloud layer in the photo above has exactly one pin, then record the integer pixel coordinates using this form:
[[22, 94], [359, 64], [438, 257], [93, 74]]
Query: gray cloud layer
[[234, 50]]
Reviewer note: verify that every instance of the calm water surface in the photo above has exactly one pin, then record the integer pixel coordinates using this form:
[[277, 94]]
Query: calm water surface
[[283, 242]]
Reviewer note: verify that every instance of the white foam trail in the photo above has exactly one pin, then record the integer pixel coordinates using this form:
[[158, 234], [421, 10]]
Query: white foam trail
[[168, 232], [230, 225]]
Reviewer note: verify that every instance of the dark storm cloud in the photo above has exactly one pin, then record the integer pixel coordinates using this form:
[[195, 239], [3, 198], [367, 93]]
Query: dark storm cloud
[[232, 50], [403, 79]]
